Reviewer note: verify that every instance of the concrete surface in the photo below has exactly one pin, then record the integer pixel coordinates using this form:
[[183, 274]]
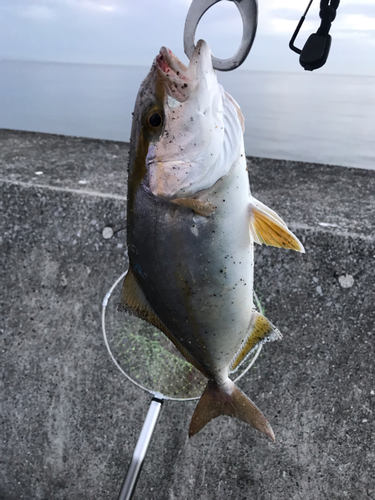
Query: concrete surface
[[70, 421]]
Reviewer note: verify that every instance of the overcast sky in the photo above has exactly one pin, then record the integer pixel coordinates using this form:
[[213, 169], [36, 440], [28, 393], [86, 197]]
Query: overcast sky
[[132, 31]]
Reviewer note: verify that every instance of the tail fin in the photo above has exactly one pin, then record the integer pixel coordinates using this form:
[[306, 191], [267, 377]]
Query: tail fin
[[229, 400]]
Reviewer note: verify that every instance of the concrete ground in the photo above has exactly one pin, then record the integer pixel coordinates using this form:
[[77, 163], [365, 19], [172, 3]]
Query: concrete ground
[[70, 421]]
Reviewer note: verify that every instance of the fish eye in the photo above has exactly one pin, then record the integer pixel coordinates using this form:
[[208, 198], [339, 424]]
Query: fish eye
[[155, 120]]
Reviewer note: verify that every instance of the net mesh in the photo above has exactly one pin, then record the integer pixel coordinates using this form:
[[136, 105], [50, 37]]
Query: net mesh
[[147, 357]]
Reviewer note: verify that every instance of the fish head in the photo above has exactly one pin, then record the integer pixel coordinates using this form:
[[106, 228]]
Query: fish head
[[190, 128]]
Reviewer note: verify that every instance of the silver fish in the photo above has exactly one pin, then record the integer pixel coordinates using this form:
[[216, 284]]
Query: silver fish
[[192, 223]]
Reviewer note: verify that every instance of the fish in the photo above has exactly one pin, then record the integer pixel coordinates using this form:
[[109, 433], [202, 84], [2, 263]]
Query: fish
[[191, 227]]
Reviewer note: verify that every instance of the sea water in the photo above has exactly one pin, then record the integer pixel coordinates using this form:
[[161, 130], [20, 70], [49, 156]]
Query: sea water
[[299, 116]]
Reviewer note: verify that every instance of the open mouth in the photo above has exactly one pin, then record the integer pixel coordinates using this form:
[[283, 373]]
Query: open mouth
[[169, 63], [180, 80], [175, 74]]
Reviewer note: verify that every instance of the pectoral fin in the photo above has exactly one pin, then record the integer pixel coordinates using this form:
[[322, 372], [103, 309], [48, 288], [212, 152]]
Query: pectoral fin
[[227, 399], [200, 207], [135, 302], [268, 228], [261, 331]]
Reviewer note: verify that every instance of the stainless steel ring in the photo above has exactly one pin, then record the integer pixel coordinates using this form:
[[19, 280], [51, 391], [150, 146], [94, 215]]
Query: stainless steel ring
[[249, 14]]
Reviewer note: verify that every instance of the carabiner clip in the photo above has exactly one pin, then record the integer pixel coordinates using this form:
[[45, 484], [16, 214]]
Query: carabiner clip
[[249, 14], [316, 49]]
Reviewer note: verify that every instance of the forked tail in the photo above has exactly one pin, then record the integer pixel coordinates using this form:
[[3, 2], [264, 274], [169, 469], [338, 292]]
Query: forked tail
[[227, 399]]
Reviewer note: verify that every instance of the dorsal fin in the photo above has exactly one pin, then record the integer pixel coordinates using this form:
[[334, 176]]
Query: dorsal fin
[[135, 302], [261, 331], [200, 207], [268, 228]]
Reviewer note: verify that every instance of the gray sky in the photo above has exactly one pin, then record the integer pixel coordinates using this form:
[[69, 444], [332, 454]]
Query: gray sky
[[132, 31]]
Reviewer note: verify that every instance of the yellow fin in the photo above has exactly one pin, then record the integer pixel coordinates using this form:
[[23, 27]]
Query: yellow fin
[[204, 208], [258, 204], [268, 228], [227, 399], [135, 302], [261, 331]]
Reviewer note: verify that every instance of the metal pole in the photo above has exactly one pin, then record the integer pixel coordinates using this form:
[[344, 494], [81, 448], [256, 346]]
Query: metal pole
[[139, 454]]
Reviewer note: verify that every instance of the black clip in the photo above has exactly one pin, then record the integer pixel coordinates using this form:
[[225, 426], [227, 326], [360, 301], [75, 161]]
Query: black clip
[[316, 50]]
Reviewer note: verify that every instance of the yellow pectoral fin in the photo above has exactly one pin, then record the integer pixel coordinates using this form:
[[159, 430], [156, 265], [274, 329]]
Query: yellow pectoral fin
[[261, 331], [135, 302], [204, 208], [268, 228]]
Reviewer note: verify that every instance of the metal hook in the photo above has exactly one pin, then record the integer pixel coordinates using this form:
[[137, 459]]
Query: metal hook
[[249, 13]]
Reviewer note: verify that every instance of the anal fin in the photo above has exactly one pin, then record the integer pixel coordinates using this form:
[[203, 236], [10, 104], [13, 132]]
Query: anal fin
[[135, 302], [200, 207], [227, 399], [261, 331], [268, 228]]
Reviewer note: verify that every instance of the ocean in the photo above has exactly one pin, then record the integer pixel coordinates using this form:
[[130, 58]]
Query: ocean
[[297, 116]]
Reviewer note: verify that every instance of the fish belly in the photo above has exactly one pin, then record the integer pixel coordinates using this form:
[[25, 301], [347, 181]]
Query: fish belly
[[197, 272]]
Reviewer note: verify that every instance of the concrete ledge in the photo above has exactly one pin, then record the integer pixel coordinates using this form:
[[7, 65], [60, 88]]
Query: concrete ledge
[[70, 421]]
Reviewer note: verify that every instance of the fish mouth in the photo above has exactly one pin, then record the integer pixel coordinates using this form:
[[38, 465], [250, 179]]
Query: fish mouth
[[180, 80]]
